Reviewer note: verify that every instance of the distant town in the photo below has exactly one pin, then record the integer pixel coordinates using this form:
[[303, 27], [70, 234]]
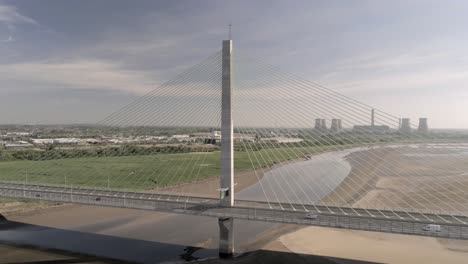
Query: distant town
[[45, 136]]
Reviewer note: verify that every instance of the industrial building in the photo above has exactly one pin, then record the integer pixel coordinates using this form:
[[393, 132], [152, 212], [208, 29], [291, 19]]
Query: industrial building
[[405, 125], [16, 144], [43, 141], [372, 128], [282, 140], [423, 127], [320, 125], [336, 126]]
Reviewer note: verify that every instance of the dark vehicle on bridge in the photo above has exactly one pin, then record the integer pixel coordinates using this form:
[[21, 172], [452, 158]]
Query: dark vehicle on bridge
[[311, 216]]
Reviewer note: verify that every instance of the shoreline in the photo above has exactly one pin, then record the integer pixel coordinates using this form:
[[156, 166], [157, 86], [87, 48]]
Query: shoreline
[[209, 187], [352, 188]]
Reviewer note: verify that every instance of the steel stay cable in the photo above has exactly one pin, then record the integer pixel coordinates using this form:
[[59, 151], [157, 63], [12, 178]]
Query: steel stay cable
[[309, 145], [63, 169], [182, 91]]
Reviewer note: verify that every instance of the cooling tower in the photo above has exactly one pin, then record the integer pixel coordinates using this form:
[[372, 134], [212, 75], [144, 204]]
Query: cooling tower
[[318, 124], [323, 124], [423, 128], [335, 125], [405, 125]]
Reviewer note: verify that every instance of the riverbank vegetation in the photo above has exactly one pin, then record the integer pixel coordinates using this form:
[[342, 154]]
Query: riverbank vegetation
[[146, 171]]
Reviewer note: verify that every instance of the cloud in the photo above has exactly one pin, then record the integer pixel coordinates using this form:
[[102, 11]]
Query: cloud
[[405, 71], [82, 73], [413, 81], [10, 15], [93, 74], [387, 59], [9, 39]]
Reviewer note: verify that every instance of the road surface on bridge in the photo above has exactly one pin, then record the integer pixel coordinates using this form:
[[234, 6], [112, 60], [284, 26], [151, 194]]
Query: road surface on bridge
[[351, 218]]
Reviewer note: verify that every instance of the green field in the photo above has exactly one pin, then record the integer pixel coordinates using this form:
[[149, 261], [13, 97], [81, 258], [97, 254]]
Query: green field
[[144, 171]]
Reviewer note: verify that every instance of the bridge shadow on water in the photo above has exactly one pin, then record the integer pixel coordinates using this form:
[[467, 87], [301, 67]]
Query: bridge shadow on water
[[79, 247]]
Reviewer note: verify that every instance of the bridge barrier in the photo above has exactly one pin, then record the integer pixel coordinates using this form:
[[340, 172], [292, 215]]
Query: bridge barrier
[[207, 207]]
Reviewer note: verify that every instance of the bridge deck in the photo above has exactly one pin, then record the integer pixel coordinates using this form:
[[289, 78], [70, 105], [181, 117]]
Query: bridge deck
[[351, 218]]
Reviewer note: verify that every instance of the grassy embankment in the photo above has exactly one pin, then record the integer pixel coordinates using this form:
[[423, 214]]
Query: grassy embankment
[[143, 172]]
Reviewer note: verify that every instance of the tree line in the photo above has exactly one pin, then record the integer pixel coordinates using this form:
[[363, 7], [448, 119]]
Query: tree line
[[125, 150]]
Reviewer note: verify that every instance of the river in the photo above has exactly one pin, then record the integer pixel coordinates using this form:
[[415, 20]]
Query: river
[[306, 181]]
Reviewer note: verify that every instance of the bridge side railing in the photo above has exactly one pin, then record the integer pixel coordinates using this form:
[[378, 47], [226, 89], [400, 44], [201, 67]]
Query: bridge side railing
[[257, 214]]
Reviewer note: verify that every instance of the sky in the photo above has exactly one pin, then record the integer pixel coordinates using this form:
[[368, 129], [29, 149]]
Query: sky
[[80, 61]]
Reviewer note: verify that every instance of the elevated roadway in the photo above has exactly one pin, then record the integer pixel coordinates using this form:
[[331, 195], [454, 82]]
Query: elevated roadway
[[389, 221]]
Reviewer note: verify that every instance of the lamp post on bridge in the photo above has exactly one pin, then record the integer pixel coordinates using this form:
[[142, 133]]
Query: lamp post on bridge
[[226, 224]]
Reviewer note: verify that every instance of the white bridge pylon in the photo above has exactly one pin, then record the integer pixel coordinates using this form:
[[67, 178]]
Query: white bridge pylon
[[227, 129], [226, 224]]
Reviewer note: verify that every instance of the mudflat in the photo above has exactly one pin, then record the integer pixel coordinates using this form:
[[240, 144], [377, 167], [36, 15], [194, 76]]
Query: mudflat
[[401, 178]]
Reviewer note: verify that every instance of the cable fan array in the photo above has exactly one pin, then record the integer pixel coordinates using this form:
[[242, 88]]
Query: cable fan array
[[284, 151]]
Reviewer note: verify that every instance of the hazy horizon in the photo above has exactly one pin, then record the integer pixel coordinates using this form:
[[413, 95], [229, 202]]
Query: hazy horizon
[[65, 62]]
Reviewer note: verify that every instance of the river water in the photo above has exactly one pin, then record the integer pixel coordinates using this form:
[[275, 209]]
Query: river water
[[305, 181]]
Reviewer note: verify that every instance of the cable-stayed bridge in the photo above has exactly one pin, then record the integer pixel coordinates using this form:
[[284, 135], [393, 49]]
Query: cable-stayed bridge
[[233, 137]]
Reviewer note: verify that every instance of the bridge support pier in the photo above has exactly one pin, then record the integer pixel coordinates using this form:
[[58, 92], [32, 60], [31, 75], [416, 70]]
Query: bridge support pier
[[226, 237]]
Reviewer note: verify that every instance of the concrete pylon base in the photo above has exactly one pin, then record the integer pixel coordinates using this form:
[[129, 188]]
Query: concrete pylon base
[[226, 237]]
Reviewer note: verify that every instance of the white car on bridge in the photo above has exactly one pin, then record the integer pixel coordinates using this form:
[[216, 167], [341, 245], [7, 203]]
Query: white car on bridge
[[432, 228]]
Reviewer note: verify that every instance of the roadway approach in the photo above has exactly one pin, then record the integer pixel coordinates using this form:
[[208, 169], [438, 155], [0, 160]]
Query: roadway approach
[[388, 221]]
